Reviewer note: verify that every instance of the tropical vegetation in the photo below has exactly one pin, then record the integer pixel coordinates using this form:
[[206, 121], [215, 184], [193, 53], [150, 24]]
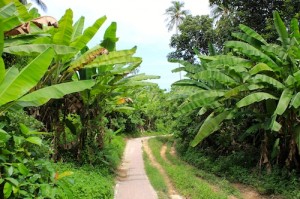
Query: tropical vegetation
[[67, 104], [245, 101], [59, 99]]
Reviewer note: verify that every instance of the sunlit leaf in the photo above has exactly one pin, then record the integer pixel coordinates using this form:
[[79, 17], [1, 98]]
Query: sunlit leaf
[[35, 140]]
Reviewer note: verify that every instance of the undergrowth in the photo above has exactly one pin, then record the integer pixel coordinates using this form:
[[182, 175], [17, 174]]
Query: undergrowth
[[155, 178], [185, 177], [90, 182], [236, 168]]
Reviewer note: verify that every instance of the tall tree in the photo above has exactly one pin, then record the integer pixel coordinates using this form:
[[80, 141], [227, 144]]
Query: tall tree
[[195, 32], [175, 14], [256, 14]]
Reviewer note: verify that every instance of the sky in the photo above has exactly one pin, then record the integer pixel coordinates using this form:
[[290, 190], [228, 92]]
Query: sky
[[140, 23]]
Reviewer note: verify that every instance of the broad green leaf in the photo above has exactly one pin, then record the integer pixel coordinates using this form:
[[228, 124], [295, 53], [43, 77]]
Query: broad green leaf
[[23, 13], [4, 2], [252, 33], [227, 60], [23, 169], [246, 38], [266, 79], [252, 52], [253, 98], [13, 181], [209, 126], [296, 101], [77, 28], [4, 136], [110, 60], [206, 94], [191, 82], [65, 29], [1, 40], [35, 140], [189, 106], [281, 29], [295, 29], [110, 37], [26, 79], [215, 76], [276, 51], [7, 11], [10, 170], [179, 69], [41, 96], [2, 70], [202, 111], [235, 91], [139, 77], [274, 125], [7, 190], [284, 101], [88, 34], [10, 74], [24, 129], [33, 49], [10, 23], [290, 81], [259, 68]]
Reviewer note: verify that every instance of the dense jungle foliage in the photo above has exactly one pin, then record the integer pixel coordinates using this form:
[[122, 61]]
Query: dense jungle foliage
[[239, 101], [62, 100], [235, 113]]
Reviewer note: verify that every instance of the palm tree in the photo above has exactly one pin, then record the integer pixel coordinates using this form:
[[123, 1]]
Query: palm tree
[[40, 3], [175, 14]]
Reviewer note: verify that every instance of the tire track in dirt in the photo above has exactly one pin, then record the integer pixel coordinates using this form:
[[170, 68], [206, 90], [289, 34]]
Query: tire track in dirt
[[171, 189]]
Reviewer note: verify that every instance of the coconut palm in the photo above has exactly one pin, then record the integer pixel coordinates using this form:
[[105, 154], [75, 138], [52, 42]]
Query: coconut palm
[[175, 14]]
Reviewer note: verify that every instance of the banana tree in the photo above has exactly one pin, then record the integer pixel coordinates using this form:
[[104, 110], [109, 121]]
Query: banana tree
[[254, 75]]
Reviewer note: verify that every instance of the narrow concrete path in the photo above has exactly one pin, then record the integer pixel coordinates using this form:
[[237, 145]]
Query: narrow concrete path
[[133, 182]]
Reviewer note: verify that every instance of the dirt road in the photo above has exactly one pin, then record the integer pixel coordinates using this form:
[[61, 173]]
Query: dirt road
[[133, 182]]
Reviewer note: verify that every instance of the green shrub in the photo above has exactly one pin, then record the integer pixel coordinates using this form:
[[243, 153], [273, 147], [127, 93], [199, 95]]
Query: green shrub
[[24, 161], [87, 181]]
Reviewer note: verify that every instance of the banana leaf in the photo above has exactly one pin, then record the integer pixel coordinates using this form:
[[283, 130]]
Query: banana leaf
[[81, 41], [34, 49], [260, 67], [64, 32], [42, 96], [296, 101], [253, 98], [284, 101], [269, 80], [215, 76], [252, 33], [17, 84], [209, 126], [281, 29], [77, 28], [110, 37], [252, 52]]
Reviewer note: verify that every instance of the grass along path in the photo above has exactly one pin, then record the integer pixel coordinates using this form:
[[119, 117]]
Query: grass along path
[[165, 180], [183, 177]]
